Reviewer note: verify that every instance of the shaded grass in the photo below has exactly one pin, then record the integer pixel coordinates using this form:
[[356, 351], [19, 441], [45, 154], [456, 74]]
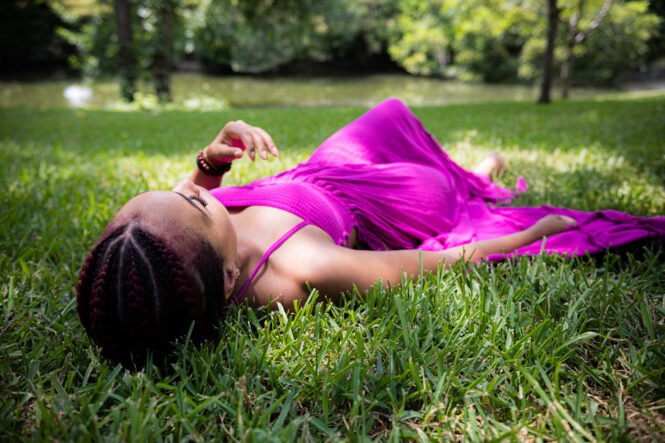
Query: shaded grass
[[543, 348]]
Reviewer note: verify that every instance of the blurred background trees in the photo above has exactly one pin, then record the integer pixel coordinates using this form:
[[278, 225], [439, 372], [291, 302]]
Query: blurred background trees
[[134, 39], [479, 40], [486, 40], [29, 41]]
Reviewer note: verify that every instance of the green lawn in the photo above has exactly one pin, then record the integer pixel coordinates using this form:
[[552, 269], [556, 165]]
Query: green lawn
[[544, 348]]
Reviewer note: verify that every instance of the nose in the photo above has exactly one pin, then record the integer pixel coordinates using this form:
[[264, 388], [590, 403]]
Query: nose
[[185, 185]]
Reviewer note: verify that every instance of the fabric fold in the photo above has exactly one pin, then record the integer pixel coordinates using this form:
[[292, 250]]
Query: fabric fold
[[386, 176]]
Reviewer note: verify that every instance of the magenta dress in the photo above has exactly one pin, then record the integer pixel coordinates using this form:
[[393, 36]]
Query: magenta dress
[[386, 176]]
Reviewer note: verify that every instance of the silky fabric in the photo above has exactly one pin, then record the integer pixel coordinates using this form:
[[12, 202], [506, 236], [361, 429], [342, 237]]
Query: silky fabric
[[386, 176]]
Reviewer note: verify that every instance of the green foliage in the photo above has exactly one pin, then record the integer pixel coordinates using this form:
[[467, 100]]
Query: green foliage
[[250, 36], [421, 41], [261, 35], [486, 40], [531, 58], [533, 349], [146, 30], [375, 21], [495, 40], [93, 31], [489, 38], [619, 42], [472, 40]]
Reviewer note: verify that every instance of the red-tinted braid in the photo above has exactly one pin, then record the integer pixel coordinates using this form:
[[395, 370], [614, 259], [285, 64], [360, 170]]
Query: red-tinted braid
[[185, 296], [136, 294], [191, 297], [88, 273], [102, 304], [139, 309]]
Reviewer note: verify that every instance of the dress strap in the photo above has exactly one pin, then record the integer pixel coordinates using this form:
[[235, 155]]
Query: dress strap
[[264, 259]]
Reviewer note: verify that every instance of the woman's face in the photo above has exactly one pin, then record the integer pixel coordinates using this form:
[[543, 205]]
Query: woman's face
[[187, 209]]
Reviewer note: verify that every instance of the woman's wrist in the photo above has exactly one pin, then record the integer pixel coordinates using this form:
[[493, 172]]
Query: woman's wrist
[[215, 160], [208, 167]]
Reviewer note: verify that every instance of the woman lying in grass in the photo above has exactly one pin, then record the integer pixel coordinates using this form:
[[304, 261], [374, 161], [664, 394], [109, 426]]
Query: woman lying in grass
[[377, 199]]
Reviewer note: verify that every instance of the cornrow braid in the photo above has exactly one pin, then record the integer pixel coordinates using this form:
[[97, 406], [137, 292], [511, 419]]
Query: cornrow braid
[[136, 294]]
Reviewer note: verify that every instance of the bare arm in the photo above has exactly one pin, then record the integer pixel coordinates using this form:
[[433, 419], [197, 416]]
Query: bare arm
[[339, 269], [234, 138]]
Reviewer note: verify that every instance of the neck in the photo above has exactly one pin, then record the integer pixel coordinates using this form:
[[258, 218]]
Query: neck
[[246, 250]]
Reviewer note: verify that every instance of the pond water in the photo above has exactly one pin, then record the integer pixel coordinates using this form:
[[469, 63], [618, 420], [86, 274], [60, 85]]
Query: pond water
[[200, 91]]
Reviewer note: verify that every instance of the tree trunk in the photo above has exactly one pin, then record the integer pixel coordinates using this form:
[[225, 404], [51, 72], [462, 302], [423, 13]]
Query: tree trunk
[[573, 25], [552, 21], [576, 36], [126, 60], [565, 69], [162, 59]]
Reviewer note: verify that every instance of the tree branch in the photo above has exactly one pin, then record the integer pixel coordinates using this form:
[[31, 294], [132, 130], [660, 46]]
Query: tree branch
[[595, 22]]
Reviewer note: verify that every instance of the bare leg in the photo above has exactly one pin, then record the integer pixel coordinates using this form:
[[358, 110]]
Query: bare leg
[[492, 166]]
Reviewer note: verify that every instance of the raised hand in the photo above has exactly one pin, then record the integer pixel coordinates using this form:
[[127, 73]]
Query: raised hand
[[236, 137]]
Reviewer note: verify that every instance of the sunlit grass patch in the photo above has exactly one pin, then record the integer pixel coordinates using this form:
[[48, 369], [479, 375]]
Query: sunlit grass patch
[[531, 349]]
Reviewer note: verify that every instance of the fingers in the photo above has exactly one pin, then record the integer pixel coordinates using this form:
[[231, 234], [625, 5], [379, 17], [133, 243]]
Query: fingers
[[219, 153], [254, 139], [267, 139], [258, 144], [248, 144], [252, 145], [257, 141]]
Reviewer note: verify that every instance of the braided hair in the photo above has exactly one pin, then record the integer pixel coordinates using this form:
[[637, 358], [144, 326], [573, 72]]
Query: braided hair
[[136, 294]]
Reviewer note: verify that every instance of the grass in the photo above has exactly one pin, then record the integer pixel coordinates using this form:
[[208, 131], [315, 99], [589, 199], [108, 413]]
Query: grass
[[527, 350]]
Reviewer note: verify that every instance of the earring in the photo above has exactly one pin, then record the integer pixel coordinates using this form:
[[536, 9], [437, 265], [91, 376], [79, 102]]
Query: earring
[[237, 273]]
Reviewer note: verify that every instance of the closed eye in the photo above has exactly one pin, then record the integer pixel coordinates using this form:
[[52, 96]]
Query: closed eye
[[199, 199], [191, 199]]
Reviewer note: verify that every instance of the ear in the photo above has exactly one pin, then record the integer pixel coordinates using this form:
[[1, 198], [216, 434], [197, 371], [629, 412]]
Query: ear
[[229, 281]]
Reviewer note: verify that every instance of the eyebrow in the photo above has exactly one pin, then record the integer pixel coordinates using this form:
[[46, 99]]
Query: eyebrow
[[189, 200]]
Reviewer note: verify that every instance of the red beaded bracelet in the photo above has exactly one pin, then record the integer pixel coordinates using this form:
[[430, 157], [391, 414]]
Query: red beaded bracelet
[[208, 168]]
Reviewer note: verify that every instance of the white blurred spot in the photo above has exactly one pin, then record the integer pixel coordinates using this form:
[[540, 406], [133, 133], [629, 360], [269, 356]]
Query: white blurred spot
[[77, 96]]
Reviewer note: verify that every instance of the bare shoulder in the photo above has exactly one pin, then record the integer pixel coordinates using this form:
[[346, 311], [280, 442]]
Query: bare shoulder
[[314, 263], [292, 268], [310, 259]]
